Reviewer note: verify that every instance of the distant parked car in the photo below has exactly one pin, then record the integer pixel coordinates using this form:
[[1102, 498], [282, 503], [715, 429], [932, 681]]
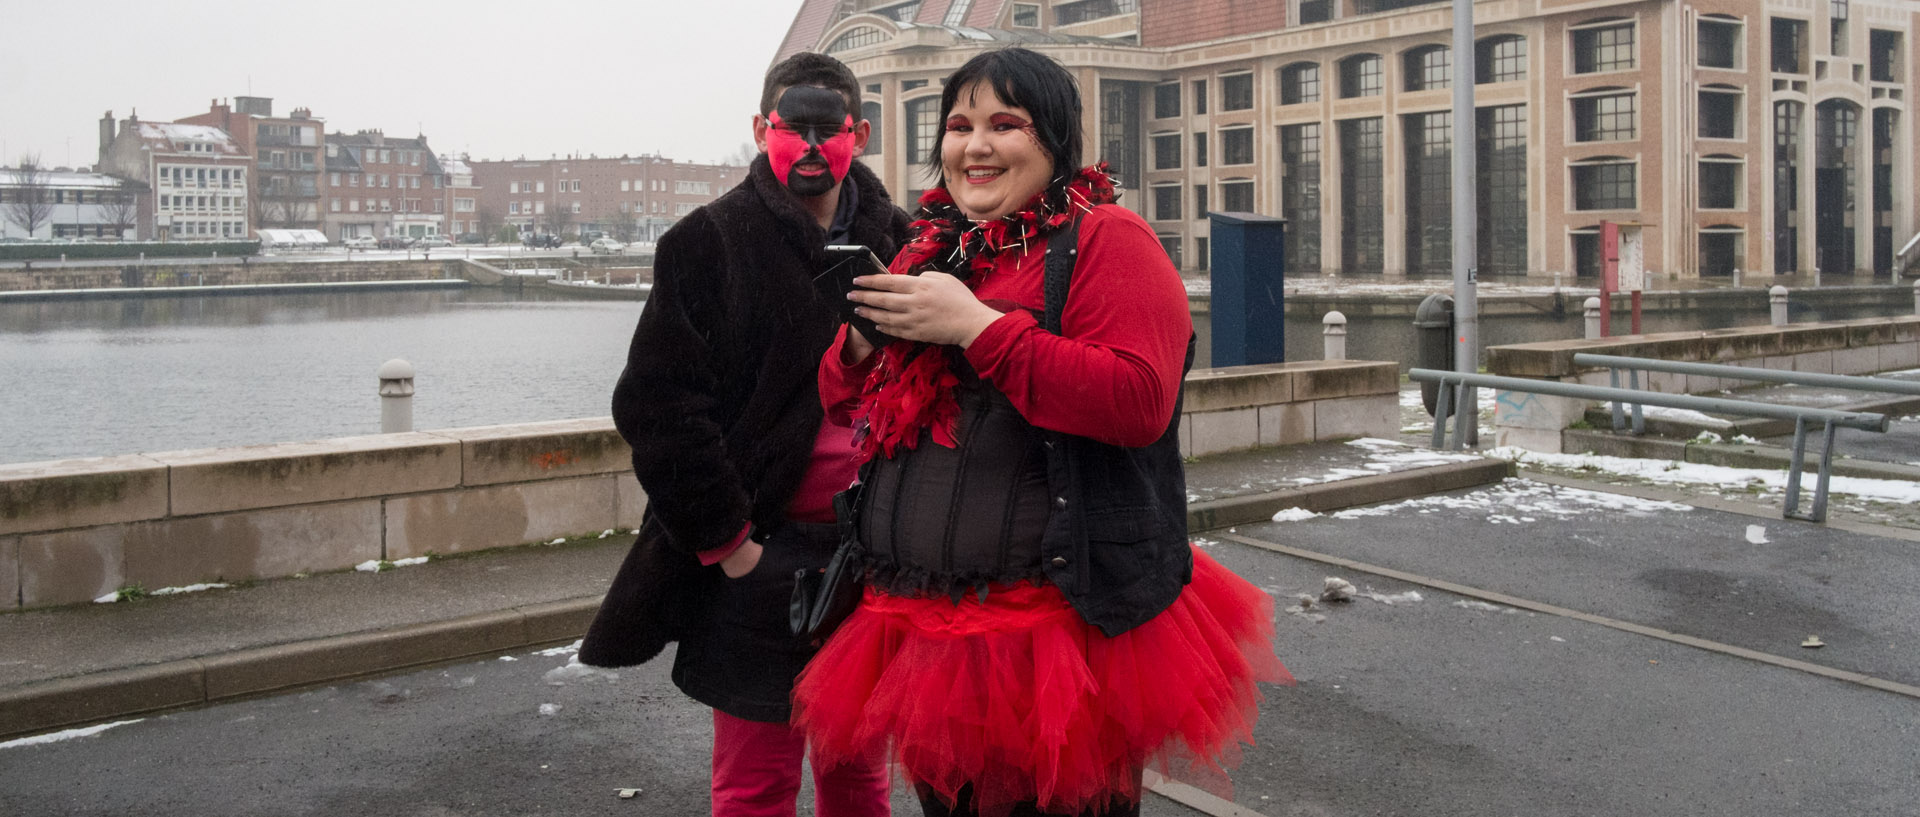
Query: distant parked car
[[470, 238], [540, 241], [432, 241], [365, 242], [606, 246], [396, 242]]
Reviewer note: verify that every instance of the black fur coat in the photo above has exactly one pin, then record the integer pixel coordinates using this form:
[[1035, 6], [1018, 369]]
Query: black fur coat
[[719, 398]]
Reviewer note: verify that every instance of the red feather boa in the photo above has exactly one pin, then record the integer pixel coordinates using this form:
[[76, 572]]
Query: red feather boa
[[911, 387]]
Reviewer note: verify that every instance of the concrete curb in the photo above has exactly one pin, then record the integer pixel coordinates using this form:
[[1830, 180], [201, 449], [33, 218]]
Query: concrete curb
[[186, 683], [192, 682], [1346, 493]]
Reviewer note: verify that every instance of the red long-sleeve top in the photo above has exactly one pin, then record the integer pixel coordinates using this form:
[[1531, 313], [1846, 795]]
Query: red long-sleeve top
[[1113, 373]]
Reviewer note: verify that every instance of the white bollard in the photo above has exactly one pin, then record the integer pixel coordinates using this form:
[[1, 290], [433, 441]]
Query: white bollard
[[1736, 277], [1592, 307], [396, 396], [1816, 276], [1336, 335], [1556, 280], [1778, 297]]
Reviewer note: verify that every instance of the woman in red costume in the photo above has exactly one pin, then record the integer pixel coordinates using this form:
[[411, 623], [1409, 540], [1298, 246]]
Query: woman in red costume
[[1036, 628]]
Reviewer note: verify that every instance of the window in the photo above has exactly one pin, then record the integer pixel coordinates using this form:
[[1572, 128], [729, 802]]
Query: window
[[855, 38], [1166, 202], [1236, 196], [1300, 82], [1236, 92], [623, 185], [1080, 11], [1300, 195], [1787, 118], [1719, 112], [871, 112], [1121, 110], [1361, 196], [912, 84], [1718, 39], [1199, 97], [1603, 48], [333, 180], [1360, 76], [956, 15], [1789, 46], [1201, 204], [1502, 188], [1170, 244], [1720, 183], [1201, 257], [353, 180], [1166, 100], [923, 127], [1500, 59], [1315, 11], [1429, 184], [1885, 55], [1200, 149], [1720, 253], [1837, 25], [1429, 68], [1026, 15], [1606, 117], [1607, 183], [1236, 146], [1166, 151]]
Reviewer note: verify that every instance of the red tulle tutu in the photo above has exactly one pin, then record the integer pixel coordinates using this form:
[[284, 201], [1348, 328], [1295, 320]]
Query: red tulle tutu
[[1020, 697]]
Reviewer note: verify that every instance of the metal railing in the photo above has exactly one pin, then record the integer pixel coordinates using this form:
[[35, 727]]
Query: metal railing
[[1798, 415], [1634, 365]]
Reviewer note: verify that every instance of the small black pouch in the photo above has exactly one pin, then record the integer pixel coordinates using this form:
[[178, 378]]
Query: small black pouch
[[822, 599]]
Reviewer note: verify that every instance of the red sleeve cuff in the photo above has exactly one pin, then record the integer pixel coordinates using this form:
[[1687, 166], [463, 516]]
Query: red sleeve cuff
[[993, 342], [717, 555]]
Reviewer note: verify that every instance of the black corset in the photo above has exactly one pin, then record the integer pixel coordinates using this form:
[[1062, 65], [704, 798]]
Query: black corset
[[946, 521]]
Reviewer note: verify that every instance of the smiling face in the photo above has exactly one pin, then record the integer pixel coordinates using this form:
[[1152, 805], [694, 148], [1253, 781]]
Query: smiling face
[[992, 161]]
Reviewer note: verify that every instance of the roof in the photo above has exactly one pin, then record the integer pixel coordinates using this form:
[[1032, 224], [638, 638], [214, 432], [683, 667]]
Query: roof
[[66, 179], [429, 162], [810, 24], [174, 135]]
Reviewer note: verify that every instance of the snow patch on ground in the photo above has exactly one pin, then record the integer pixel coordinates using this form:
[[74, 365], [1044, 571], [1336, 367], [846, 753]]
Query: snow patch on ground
[[574, 671], [1520, 501], [1757, 535], [1687, 473], [191, 588], [70, 734], [555, 652], [1685, 415], [1482, 606], [1407, 597], [1294, 515]]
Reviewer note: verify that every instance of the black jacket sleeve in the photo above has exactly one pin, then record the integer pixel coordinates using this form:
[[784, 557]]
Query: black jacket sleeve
[[666, 402]]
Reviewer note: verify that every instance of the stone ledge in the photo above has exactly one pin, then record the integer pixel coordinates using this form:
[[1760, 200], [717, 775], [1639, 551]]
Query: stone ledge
[[38, 496], [490, 455], [217, 480]]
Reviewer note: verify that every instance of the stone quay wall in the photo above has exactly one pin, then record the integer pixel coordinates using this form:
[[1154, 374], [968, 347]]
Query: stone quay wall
[[72, 531], [162, 274], [1535, 421]]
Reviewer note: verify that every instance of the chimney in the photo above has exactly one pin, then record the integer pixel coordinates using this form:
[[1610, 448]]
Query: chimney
[[107, 131]]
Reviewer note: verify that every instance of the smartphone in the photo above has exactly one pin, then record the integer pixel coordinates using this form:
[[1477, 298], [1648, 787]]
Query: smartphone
[[846, 262]]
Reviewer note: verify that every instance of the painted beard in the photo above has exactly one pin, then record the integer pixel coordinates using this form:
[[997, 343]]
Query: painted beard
[[810, 140]]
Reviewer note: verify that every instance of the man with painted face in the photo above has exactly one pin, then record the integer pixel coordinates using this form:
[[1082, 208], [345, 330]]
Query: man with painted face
[[720, 402]]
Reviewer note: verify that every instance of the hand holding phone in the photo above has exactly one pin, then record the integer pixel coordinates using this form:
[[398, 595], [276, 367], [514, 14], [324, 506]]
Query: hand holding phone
[[846, 262]]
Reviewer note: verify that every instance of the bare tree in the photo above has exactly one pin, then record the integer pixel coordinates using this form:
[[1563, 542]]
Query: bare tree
[[742, 156], [619, 225], [559, 216], [489, 222], [120, 207], [30, 199]]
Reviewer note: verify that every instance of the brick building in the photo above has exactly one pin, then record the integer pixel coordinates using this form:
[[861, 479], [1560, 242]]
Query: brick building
[[285, 186], [630, 197], [1766, 135], [195, 178], [378, 186]]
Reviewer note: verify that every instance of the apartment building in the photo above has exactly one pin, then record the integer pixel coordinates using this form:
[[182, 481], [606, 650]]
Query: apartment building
[[195, 178], [284, 188], [378, 186], [61, 203], [1771, 136], [632, 197]]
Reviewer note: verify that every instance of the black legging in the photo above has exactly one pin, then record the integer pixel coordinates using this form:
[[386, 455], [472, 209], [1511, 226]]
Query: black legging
[[931, 806]]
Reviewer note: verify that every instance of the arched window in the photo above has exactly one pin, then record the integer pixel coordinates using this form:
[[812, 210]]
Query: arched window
[[1300, 82], [1428, 68], [1501, 58], [855, 38], [1360, 75]]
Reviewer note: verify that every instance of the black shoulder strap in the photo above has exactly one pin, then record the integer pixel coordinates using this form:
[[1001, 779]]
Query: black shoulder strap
[[1063, 249]]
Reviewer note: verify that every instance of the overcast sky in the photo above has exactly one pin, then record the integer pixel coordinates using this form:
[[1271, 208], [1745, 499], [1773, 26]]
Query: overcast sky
[[497, 80]]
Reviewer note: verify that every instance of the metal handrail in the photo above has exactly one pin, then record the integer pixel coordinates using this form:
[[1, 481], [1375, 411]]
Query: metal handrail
[[1799, 415], [1635, 365]]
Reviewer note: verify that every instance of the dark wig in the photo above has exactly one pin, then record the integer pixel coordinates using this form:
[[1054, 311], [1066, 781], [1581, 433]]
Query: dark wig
[[1022, 79], [808, 68]]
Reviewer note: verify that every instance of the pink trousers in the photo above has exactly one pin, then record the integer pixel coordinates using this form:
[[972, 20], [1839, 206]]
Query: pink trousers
[[756, 773]]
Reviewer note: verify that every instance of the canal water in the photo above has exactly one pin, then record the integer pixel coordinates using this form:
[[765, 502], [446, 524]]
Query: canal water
[[99, 378]]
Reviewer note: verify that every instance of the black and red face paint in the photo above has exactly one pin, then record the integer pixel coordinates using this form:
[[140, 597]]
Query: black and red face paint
[[810, 139]]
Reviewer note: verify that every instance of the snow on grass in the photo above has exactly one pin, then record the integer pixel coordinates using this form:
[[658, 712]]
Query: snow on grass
[[55, 737], [1667, 472], [1520, 501]]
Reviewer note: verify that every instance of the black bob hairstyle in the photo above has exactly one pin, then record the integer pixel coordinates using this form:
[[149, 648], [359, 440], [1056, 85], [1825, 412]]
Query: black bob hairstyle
[[1022, 79]]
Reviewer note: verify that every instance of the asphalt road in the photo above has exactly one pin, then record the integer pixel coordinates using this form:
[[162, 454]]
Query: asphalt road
[[1444, 705]]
